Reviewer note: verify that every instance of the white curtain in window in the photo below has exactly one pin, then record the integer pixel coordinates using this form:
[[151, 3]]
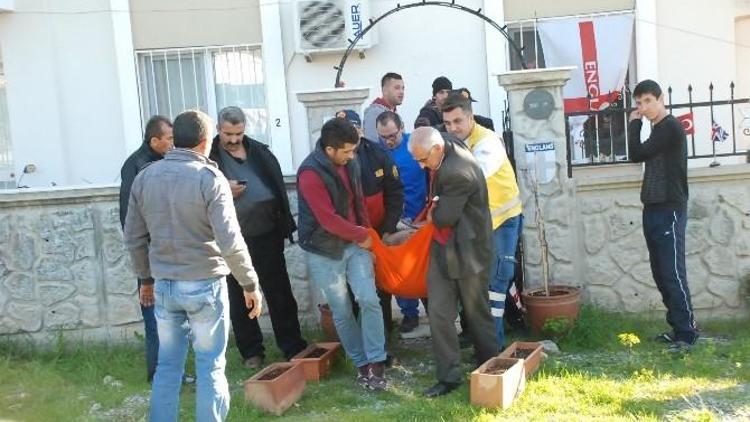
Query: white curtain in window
[[238, 81]]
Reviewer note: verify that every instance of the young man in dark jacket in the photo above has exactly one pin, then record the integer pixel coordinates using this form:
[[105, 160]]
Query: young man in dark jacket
[[430, 114], [384, 195], [333, 232], [664, 194], [157, 140], [265, 219]]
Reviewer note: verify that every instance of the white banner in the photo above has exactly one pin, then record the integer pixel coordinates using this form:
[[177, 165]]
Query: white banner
[[599, 48]]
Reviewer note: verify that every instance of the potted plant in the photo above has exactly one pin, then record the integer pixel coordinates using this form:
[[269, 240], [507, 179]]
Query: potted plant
[[277, 387], [317, 359], [551, 301], [497, 382], [529, 352]]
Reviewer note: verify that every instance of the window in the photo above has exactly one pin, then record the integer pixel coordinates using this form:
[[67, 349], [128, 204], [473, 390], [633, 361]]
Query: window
[[6, 161], [173, 80]]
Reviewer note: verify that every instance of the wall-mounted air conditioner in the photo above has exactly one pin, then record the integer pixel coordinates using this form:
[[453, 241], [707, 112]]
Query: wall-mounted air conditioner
[[325, 26]]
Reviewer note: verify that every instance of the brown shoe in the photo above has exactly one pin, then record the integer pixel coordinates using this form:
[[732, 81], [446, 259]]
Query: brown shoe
[[253, 362], [363, 375], [376, 380]]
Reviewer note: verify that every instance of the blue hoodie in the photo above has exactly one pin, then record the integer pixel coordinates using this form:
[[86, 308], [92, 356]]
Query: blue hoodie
[[413, 177]]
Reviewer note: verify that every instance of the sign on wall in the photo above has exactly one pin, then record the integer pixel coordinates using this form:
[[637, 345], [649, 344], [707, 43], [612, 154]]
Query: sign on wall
[[540, 158]]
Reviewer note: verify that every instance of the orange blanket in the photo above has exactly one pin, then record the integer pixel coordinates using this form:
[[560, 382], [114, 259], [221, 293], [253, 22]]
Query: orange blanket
[[401, 270]]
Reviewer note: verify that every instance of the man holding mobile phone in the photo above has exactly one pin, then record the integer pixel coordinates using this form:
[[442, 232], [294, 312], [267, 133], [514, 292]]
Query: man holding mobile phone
[[265, 220]]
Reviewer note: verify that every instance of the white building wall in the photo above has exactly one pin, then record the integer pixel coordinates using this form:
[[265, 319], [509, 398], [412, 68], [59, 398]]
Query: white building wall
[[742, 48], [72, 97], [439, 41], [699, 51]]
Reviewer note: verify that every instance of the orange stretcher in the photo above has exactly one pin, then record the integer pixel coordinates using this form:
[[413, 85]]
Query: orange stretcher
[[401, 270]]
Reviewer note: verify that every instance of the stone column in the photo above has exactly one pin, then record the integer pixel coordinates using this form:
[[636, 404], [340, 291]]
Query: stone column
[[538, 123], [321, 106]]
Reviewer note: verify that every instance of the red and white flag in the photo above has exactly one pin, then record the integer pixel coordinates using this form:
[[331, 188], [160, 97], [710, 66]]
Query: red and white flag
[[599, 47], [687, 123]]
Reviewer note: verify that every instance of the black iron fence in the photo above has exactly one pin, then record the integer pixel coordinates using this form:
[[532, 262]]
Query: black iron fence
[[713, 127]]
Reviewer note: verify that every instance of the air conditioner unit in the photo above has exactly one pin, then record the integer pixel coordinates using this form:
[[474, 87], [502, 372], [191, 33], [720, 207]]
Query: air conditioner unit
[[325, 26]]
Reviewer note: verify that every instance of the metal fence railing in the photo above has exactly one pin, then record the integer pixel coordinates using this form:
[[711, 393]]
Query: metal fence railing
[[715, 128]]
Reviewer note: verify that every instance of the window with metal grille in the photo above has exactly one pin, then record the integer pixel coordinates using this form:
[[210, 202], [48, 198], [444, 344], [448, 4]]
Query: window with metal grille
[[206, 78], [6, 159]]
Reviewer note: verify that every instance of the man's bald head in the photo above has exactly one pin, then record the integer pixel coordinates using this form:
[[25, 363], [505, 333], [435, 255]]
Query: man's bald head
[[425, 137], [426, 146]]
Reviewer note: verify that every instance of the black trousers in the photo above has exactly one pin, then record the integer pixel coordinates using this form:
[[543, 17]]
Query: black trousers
[[665, 237], [267, 253]]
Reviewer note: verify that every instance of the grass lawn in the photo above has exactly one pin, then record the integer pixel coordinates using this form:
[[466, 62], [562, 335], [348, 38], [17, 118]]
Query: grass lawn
[[595, 377]]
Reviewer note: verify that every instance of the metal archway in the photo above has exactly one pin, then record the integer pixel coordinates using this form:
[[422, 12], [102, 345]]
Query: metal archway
[[452, 4]]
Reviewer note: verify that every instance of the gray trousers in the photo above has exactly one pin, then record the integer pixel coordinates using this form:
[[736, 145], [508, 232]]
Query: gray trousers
[[444, 294]]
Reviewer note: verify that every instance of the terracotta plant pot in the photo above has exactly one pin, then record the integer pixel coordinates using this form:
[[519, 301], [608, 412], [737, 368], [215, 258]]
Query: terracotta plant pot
[[326, 323], [497, 382], [529, 352], [563, 302], [277, 387], [317, 359]]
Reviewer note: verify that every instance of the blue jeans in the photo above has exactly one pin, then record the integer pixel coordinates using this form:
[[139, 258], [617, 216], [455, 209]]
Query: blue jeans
[[200, 307], [364, 340], [409, 307], [504, 242], [152, 338]]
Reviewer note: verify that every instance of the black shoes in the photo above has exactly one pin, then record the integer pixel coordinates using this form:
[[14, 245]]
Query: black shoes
[[680, 347], [667, 337], [441, 389]]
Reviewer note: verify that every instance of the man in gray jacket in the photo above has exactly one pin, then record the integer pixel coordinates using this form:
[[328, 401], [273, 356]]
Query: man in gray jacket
[[460, 253], [392, 88], [182, 231]]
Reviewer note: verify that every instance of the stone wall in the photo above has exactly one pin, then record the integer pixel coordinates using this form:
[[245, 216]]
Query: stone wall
[[595, 238], [63, 266], [609, 256]]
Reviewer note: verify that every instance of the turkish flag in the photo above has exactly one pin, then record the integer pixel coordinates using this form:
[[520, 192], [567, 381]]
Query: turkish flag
[[687, 123]]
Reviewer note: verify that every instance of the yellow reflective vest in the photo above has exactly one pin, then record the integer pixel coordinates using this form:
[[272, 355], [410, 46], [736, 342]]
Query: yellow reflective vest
[[489, 151]]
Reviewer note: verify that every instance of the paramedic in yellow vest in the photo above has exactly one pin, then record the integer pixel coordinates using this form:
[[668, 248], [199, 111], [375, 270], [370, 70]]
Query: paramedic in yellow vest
[[504, 199]]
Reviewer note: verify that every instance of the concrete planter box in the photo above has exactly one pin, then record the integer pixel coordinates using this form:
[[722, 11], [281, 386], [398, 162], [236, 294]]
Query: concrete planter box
[[317, 359], [277, 387], [497, 382]]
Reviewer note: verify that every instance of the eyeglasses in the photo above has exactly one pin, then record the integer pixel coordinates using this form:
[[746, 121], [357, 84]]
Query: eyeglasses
[[392, 137], [424, 160]]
